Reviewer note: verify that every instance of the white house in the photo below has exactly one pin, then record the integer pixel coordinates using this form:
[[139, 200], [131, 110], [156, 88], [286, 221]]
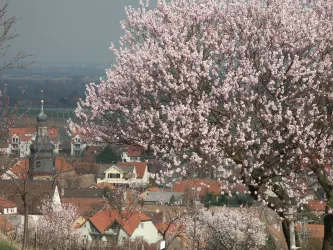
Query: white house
[[79, 144], [7, 207], [132, 154], [20, 140], [104, 226], [133, 174]]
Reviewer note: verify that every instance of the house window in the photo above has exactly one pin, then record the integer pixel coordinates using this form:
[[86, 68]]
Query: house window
[[142, 225], [113, 176], [38, 164], [15, 140]]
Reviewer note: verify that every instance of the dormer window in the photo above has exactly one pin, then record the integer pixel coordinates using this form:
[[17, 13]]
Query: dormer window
[[15, 140]]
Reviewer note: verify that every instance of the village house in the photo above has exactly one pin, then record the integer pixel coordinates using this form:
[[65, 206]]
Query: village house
[[198, 187], [132, 174], [36, 191], [132, 154], [79, 144], [7, 207], [102, 226], [20, 140]]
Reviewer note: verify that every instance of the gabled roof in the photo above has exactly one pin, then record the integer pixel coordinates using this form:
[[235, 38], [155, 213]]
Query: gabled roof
[[140, 167], [63, 166], [200, 185], [134, 151], [105, 219], [26, 134], [125, 169], [4, 203], [20, 169]]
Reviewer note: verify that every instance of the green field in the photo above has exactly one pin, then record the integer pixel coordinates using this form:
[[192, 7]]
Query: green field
[[51, 113], [6, 246]]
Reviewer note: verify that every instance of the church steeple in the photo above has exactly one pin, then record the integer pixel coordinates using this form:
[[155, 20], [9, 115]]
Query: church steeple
[[42, 159]]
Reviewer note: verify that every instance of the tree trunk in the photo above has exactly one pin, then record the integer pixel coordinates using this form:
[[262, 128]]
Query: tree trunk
[[25, 228], [328, 233], [286, 233]]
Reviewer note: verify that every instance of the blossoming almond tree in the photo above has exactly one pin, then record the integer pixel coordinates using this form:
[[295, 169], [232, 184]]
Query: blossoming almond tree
[[55, 228], [245, 85], [226, 229]]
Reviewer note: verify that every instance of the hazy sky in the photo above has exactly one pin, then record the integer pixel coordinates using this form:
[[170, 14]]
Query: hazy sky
[[68, 31]]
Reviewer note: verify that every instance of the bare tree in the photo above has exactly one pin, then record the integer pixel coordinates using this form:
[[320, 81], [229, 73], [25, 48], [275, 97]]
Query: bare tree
[[7, 34]]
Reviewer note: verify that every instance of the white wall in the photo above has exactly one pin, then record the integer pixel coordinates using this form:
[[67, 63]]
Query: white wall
[[126, 158], [12, 210], [148, 232]]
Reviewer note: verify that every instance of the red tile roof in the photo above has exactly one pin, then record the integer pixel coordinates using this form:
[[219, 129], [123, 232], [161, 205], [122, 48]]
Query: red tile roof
[[134, 151], [210, 185], [6, 203], [154, 189], [20, 170], [140, 167], [63, 166], [314, 230], [104, 219], [316, 205], [26, 134], [5, 224]]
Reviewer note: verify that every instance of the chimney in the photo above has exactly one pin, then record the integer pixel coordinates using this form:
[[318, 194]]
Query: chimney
[[62, 190]]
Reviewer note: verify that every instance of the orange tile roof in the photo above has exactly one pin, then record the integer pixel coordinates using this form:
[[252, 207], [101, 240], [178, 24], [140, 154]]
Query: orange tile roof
[[21, 168], [5, 224], [154, 189], [140, 167], [198, 183], [63, 166], [26, 134], [316, 205], [6, 203], [314, 230], [134, 151], [104, 219]]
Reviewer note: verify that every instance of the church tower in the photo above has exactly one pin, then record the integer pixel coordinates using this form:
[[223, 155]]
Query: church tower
[[42, 159]]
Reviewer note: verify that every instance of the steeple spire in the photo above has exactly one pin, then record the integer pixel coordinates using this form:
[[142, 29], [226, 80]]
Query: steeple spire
[[42, 100], [42, 117]]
